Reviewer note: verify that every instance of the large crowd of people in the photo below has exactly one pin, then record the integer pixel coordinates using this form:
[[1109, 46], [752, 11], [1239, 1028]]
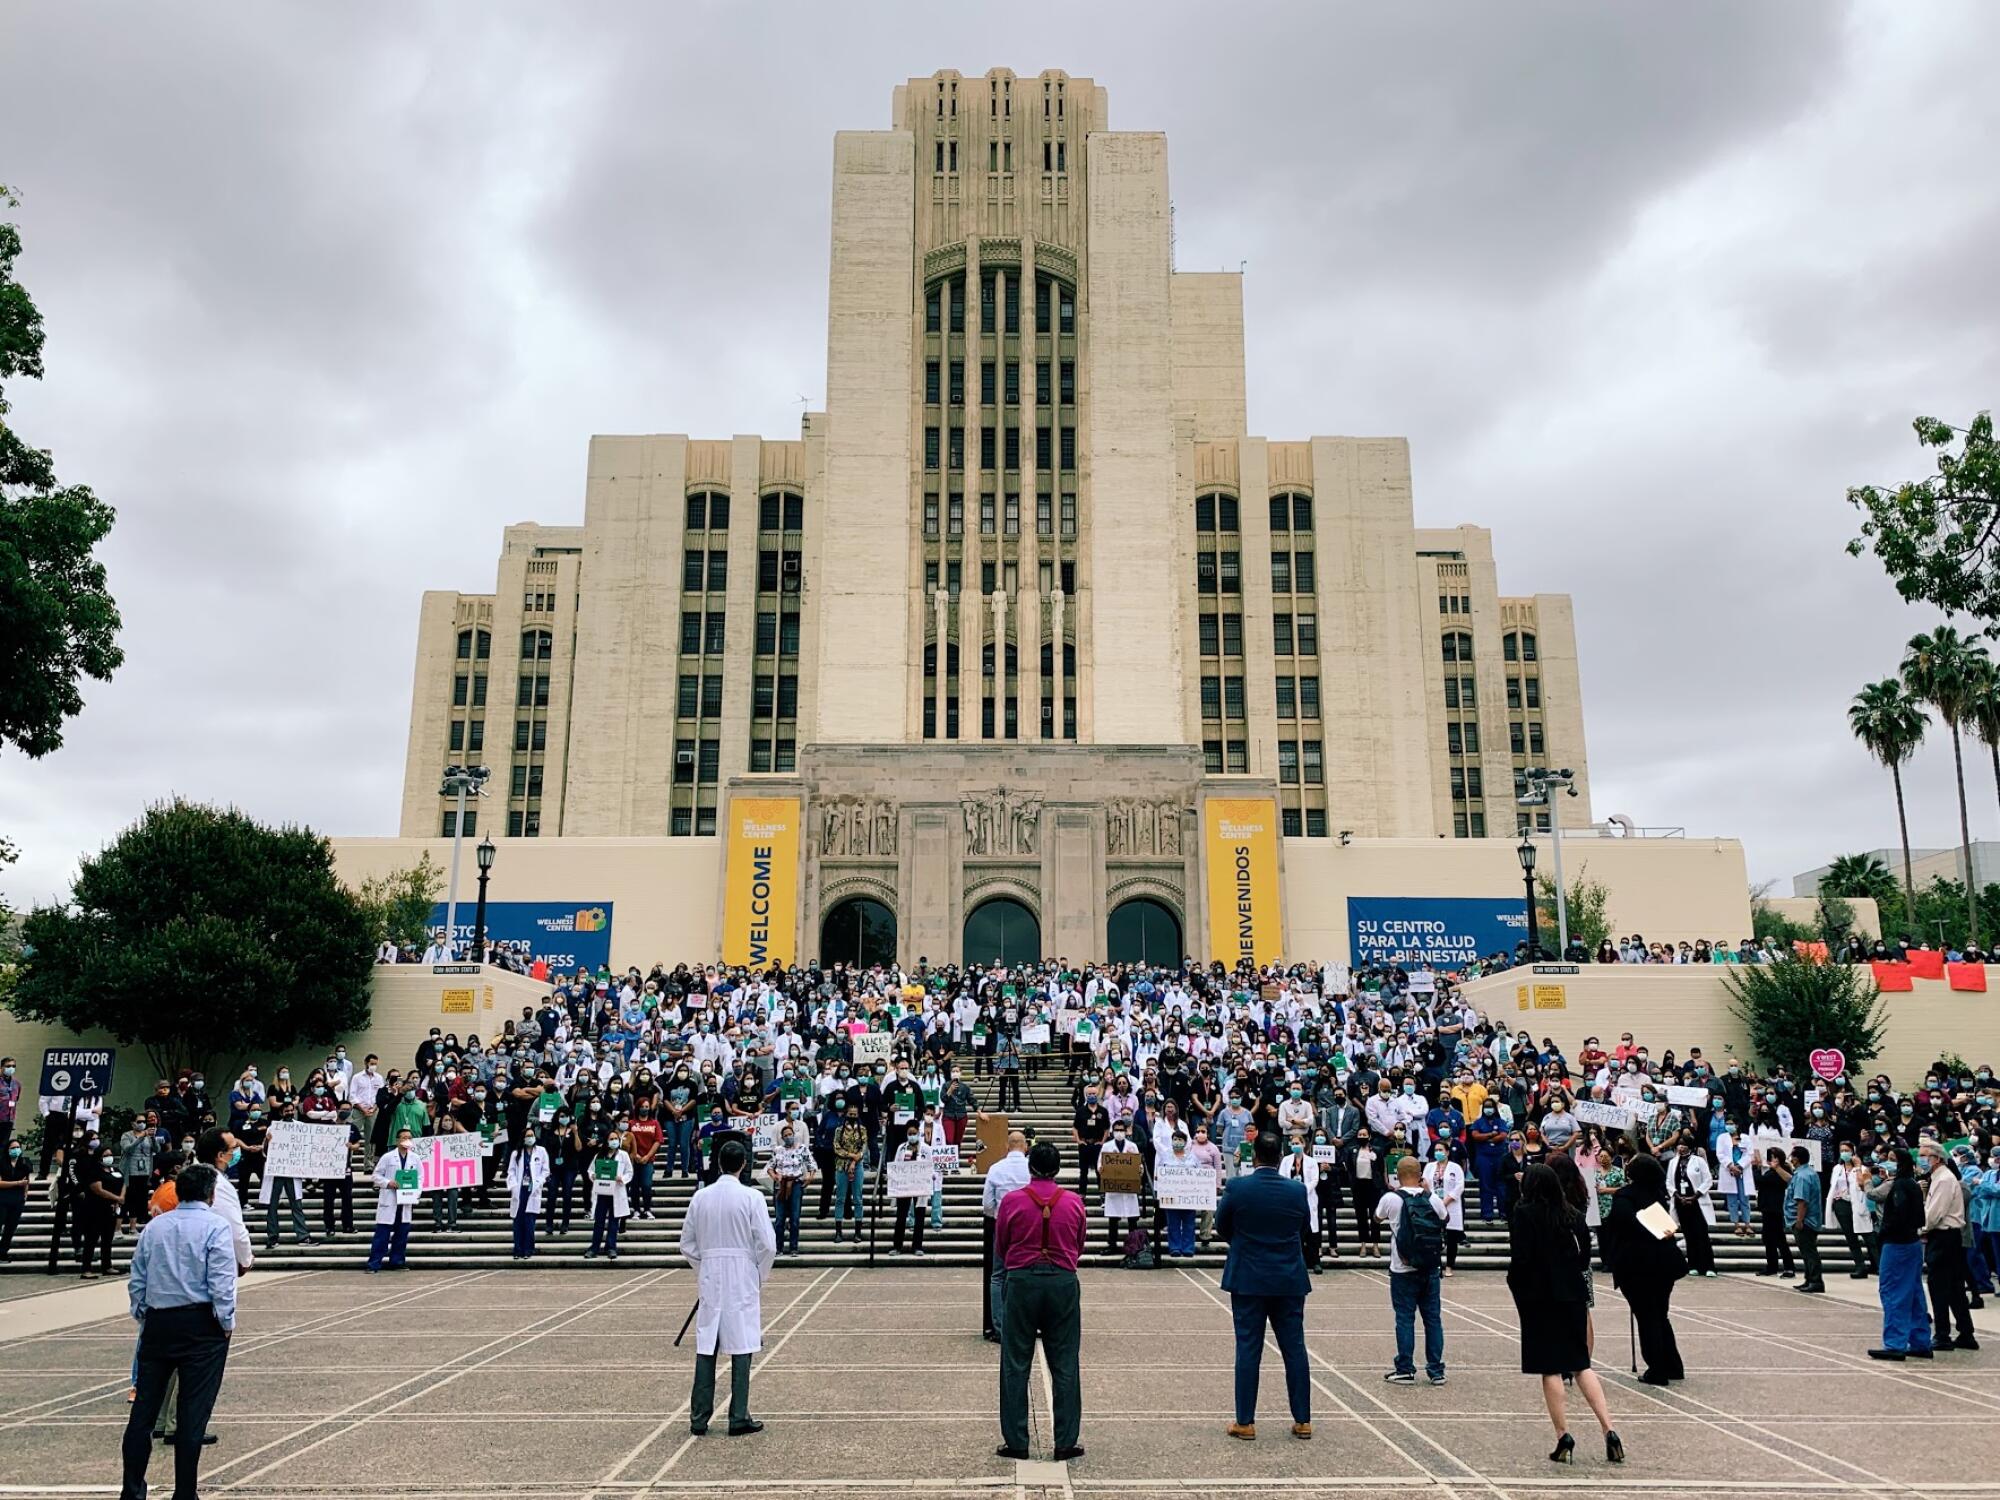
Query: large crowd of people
[[617, 1082]]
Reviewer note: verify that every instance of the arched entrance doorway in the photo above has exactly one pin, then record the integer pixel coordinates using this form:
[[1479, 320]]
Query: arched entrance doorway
[[858, 932], [1001, 931], [1143, 931]]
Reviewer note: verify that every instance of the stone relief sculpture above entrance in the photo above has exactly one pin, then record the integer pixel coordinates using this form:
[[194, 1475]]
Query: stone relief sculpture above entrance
[[1002, 822], [857, 828], [1135, 825]]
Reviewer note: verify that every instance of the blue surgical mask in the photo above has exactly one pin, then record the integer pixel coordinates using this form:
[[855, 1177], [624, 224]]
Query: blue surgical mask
[[235, 1155]]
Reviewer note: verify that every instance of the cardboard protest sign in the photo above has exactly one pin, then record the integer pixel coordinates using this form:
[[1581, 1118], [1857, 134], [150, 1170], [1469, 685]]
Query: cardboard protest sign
[[1186, 1187], [295, 1149], [1695, 1097], [871, 1047], [1035, 1032], [909, 1179], [1121, 1171], [944, 1158], [1610, 1116]]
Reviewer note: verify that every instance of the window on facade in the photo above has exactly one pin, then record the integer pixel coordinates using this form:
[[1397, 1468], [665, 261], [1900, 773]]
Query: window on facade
[[1067, 393], [1458, 784], [958, 382], [1068, 574], [1232, 635], [954, 521], [1013, 520], [1232, 697], [763, 695], [1474, 786], [952, 575], [709, 762], [1479, 825], [957, 446], [1069, 447], [1303, 571], [1288, 703], [1211, 757], [514, 824], [718, 571], [1011, 448], [1045, 392], [1281, 513], [788, 633], [692, 568], [1457, 647], [540, 739], [1204, 512], [795, 512], [1012, 384], [1514, 692], [1454, 743], [1211, 697], [760, 755], [1516, 742], [711, 696], [931, 448], [451, 823], [1308, 697], [1451, 692], [931, 382], [1044, 447], [1302, 512], [787, 758], [537, 645], [687, 701], [475, 735], [718, 512], [520, 734], [930, 515], [682, 824], [1069, 515], [1065, 298], [989, 447], [1315, 822], [934, 310], [767, 572], [1536, 745], [1204, 574], [1281, 572], [1528, 652], [1281, 634], [1472, 739], [460, 686], [1211, 638], [704, 822], [713, 634], [767, 512], [457, 739], [1534, 686], [1308, 634], [697, 511], [1510, 647], [1292, 824], [767, 632], [1231, 572], [520, 782], [1238, 757], [1458, 825], [465, 645], [788, 696]]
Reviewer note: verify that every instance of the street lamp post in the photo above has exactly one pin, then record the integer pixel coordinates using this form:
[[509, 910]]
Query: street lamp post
[[1543, 784], [459, 781], [1526, 851], [483, 856]]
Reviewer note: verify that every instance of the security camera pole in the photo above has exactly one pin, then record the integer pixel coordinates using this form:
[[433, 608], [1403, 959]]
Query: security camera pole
[[1542, 785], [464, 781]]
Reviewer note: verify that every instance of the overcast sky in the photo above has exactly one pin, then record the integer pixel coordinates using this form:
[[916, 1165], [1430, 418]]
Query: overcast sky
[[333, 293]]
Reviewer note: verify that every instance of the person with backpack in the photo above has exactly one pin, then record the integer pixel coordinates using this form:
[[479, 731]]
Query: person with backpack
[[1264, 1218], [1416, 1261]]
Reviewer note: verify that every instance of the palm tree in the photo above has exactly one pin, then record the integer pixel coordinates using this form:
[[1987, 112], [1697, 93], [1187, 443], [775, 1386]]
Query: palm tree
[[1858, 875], [1985, 717], [1945, 669], [1890, 724]]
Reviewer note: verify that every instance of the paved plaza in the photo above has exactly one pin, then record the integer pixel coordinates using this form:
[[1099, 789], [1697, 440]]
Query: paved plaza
[[566, 1385]]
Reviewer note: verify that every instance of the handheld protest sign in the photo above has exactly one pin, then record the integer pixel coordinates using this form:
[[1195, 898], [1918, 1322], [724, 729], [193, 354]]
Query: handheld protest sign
[[1121, 1171]]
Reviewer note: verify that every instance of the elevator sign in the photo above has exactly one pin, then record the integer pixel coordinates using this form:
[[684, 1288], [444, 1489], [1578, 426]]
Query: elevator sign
[[77, 1072]]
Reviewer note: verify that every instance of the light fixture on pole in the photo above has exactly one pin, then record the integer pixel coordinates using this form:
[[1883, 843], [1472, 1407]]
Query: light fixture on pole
[[461, 782], [1526, 851], [1542, 784], [483, 857]]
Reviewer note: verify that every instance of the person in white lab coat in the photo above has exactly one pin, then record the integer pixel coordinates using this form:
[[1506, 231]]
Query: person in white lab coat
[[1119, 1207], [727, 1237], [527, 1172], [1688, 1188], [392, 1219], [1445, 1179], [1854, 1213], [1298, 1161], [609, 1172]]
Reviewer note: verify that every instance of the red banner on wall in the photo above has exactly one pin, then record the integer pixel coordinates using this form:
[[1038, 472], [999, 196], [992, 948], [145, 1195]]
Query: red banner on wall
[[1892, 976], [1967, 976], [1927, 963]]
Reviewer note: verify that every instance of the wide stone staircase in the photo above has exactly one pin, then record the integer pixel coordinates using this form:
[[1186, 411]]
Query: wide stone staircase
[[484, 1237]]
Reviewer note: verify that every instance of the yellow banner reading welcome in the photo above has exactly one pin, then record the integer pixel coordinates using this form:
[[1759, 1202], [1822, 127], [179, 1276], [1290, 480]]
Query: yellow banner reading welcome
[[760, 909], [1242, 854]]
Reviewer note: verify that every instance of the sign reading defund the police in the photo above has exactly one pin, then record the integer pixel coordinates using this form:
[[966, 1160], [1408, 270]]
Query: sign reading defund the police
[[77, 1072], [760, 909], [567, 935], [1240, 846], [1446, 932]]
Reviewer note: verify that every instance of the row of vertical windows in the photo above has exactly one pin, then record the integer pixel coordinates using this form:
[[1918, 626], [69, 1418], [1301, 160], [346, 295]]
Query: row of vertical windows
[[945, 385], [1312, 826], [712, 566], [1218, 756], [702, 632], [1525, 739], [1295, 635], [1463, 739], [1055, 307], [1216, 513], [954, 574], [777, 634], [481, 645], [1292, 572], [1520, 690], [999, 449], [1457, 647], [468, 734], [1454, 604], [1517, 647], [1300, 760], [466, 690], [1291, 512], [1466, 782]]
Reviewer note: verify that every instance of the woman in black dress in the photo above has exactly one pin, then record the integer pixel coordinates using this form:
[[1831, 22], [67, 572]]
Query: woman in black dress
[[1546, 1269], [1645, 1267]]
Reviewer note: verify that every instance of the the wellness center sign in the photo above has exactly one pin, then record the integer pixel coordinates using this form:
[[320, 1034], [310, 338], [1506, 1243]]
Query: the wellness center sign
[[1241, 837], [1446, 932], [760, 912], [566, 934]]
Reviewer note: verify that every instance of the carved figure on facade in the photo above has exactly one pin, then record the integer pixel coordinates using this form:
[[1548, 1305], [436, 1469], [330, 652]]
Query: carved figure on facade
[[1137, 825], [857, 828], [1002, 822]]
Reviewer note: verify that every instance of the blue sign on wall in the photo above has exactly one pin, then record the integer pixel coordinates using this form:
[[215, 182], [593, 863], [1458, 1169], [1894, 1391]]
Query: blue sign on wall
[[1446, 932], [565, 933]]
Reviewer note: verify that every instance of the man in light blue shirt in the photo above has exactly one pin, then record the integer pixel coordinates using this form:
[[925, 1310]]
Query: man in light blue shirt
[[183, 1293], [1803, 1211]]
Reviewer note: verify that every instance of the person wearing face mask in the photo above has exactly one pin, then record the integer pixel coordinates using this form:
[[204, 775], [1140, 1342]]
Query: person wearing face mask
[[1300, 1165], [14, 1179], [1733, 1175], [1121, 1210], [101, 1191], [1088, 1130], [1488, 1136], [1982, 1186], [1852, 1212], [1688, 1185], [1900, 1206], [610, 1170], [1773, 1175], [527, 1174], [790, 1169], [1444, 1179], [1944, 1248], [394, 1172]]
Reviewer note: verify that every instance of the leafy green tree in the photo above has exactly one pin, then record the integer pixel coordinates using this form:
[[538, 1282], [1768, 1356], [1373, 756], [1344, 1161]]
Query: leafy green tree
[[399, 904], [1939, 538], [58, 623], [1946, 670], [1793, 1006], [1890, 725], [1589, 921], [199, 932], [1766, 921]]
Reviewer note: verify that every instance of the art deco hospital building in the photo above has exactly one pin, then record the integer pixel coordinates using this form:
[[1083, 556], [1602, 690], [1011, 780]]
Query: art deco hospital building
[[1024, 644]]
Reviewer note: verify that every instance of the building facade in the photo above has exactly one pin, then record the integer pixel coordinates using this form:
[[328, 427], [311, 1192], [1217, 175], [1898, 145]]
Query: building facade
[[1029, 548]]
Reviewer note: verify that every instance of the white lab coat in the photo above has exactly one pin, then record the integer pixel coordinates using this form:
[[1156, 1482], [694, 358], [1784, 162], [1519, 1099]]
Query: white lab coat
[[615, 1188], [266, 1186], [1845, 1187], [727, 1237], [537, 1175], [1120, 1205], [1446, 1179], [391, 1162], [1698, 1179], [1301, 1165], [1732, 1178]]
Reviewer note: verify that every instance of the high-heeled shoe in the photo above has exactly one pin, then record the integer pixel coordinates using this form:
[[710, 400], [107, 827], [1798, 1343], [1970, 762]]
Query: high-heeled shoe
[[1565, 1450], [1614, 1448]]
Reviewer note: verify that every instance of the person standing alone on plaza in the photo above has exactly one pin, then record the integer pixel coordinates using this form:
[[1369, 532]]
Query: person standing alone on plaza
[[1416, 1261], [1264, 1218], [1549, 1253], [727, 1237], [183, 1296], [1038, 1237]]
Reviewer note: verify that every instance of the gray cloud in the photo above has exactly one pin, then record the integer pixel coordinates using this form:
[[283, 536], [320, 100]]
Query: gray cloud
[[334, 293]]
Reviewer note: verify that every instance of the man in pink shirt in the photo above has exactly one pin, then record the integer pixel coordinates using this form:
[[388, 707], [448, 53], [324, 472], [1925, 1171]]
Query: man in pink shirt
[[1038, 1236]]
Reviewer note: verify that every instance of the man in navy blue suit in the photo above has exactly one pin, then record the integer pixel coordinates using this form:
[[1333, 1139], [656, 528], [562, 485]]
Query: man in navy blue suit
[[1263, 1216]]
